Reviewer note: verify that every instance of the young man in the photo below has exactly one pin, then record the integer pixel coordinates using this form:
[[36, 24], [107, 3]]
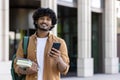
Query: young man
[[47, 62]]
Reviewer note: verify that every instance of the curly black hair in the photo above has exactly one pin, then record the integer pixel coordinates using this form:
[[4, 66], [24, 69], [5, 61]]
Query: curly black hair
[[40, 12]]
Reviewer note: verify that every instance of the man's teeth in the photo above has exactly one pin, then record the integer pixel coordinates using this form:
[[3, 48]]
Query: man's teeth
[[44, 25]]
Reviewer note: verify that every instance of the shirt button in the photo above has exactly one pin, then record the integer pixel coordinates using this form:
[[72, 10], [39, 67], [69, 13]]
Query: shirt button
[[35, 76], [35, 51], [35, 42]]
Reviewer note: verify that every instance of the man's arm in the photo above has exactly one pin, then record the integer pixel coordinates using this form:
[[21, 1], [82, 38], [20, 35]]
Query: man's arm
[[61, 57], [19, 70]]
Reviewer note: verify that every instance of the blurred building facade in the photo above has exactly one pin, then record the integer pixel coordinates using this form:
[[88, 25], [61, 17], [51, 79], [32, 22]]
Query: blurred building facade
[[91, 29]]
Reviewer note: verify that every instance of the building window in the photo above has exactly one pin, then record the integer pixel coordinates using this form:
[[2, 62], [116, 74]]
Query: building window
[[96, 3]]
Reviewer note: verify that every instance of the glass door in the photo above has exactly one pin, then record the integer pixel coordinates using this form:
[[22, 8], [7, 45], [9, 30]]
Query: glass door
[[67, 29], [97, 42]]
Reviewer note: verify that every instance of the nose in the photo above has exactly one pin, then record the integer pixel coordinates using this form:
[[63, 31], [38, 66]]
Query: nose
[[44, 20]]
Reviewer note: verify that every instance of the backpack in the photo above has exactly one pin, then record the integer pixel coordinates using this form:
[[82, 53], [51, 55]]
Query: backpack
[[24, 45]]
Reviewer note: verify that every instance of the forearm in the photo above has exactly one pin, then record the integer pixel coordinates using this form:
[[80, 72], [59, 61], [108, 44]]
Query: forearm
[[62, 66]]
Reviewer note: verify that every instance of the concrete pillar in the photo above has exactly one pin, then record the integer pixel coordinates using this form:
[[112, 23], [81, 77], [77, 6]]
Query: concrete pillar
[[84, 61], [5, 64], [111, 59], [52, 4], [4, 30], [1, 51]]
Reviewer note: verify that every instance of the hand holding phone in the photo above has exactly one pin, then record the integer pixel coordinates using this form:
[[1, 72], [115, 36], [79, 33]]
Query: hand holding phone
[[55, 45]]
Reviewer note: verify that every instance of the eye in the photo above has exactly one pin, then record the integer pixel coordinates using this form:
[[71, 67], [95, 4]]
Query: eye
[[41, 18], [49, 19]]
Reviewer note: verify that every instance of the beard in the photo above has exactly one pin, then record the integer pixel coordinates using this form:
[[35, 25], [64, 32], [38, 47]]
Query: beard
[[43, 27]]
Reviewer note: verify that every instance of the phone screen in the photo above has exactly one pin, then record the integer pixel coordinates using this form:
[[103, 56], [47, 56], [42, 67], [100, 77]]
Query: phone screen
[[56, 46]]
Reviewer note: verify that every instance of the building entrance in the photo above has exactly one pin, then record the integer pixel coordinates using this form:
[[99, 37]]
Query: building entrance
[[67, 29], [97, 42]]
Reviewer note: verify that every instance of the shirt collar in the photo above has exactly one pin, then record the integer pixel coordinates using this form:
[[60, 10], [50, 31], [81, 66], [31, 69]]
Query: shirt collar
[[35, 35]]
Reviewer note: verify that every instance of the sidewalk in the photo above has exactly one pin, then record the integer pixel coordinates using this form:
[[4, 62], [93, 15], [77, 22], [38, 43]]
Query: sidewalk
[[96, 77]]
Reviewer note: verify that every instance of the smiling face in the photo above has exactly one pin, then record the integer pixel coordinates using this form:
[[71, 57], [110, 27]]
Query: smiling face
[[44, 23]]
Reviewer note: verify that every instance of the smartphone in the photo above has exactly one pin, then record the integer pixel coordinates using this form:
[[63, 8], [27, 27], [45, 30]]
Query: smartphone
[[56, 45]]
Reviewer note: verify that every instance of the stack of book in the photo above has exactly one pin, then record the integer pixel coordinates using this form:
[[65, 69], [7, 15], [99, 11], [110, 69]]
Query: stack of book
[[24, 63]]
